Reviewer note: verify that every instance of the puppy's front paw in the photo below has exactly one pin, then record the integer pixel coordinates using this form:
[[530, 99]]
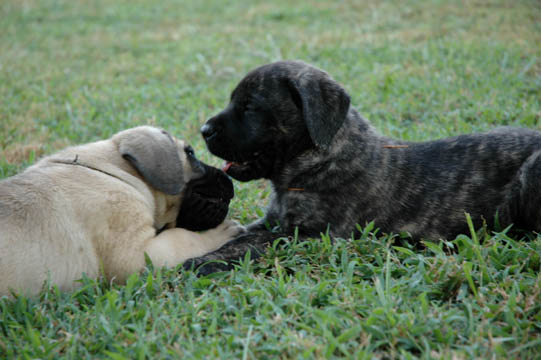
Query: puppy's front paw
[[224, 232], [230, 228]]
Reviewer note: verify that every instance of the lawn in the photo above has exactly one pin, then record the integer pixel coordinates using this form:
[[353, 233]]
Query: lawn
[[74, 71]]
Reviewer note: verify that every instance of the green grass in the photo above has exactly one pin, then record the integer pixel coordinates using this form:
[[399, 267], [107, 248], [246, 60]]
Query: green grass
[[74, 71]]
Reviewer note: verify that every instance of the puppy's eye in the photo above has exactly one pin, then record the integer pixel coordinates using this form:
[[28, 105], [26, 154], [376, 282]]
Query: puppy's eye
[[189, 151]]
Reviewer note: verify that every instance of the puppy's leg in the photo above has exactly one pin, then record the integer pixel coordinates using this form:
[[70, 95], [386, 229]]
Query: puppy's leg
[[256, 240], [529, 206], [173, 246]]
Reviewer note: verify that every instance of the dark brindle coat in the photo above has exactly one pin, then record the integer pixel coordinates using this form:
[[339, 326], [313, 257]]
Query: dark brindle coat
[[291, 123]]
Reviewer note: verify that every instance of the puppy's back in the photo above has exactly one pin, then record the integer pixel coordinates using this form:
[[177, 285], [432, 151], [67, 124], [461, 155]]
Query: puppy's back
[[35, 231]]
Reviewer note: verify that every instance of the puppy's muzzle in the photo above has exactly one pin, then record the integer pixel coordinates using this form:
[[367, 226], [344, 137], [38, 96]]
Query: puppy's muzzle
[[206, 200], [207, 131], [210, 129]]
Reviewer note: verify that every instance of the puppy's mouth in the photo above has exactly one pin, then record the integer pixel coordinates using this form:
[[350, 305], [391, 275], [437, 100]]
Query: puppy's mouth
[[235, 165], [245, 170]]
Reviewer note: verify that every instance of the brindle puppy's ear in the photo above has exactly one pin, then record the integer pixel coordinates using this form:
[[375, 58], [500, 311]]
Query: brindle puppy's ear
[[154, 153], [324, 104]]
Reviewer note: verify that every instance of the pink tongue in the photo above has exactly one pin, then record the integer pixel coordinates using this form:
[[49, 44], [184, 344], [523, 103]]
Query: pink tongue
[[227, 165]]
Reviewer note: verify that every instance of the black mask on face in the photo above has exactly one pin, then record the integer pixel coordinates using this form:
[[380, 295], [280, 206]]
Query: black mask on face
[[206, 200]]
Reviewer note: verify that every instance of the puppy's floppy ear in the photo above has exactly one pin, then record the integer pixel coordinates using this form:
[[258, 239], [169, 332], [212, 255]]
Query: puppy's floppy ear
[[154, 153], [324, 104]]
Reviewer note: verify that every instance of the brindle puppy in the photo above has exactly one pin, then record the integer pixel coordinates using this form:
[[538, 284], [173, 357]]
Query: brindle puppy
[[291, 123]]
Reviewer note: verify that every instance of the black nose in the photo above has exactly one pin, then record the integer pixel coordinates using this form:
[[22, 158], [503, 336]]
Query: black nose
[[207, 130]]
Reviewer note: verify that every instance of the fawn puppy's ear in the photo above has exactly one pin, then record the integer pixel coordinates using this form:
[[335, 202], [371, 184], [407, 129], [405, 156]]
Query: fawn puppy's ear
[[155, 155]]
